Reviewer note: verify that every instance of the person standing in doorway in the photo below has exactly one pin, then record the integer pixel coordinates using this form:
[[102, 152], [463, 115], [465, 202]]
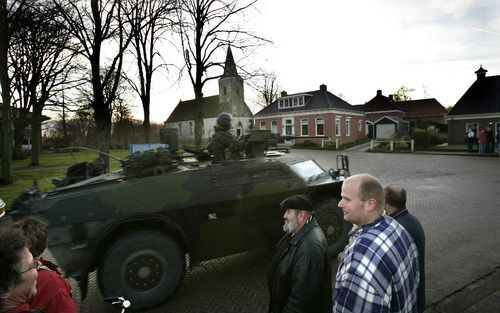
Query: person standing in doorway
[[481, 141], [470, 139], [490, 140]]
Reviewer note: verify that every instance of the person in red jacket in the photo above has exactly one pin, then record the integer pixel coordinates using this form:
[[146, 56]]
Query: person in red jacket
[[481, 141], [18, 271], [53, 292]]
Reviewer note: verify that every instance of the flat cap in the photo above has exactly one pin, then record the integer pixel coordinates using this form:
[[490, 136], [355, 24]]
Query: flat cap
[[297, 202]]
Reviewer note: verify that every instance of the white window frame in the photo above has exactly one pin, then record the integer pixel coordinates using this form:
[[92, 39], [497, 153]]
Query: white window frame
[[320, 121], [472, 126], [304, 122], [360, 125], [348, 126], [291, 125], [338, 130], [262, 125], [301, 101]]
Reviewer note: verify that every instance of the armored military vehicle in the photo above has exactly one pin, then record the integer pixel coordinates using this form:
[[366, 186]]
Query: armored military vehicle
[[142, 227]]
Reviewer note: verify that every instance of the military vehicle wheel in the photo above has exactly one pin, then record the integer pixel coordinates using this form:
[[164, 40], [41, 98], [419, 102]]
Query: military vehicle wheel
[[331, 220], [145, 267]]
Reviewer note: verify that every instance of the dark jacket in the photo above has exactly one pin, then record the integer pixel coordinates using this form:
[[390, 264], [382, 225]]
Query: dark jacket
[[413, 226], [299, 276]]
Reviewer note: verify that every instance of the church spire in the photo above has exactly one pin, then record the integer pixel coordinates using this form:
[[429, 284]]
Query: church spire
[[230, 66]]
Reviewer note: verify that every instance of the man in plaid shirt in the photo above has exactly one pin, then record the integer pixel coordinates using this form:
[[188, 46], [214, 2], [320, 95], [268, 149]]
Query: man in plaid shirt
[[379, 271]]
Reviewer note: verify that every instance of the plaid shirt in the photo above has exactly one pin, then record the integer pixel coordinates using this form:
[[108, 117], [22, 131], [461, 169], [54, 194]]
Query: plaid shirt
[[379, 271]]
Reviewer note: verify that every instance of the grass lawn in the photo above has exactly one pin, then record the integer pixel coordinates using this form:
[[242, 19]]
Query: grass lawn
[[52, 165]]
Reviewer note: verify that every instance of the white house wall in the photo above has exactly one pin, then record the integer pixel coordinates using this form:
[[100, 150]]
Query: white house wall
[[185, 129]]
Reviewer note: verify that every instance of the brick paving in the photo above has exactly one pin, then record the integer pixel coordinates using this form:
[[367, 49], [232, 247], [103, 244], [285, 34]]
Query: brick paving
[[455, 197]]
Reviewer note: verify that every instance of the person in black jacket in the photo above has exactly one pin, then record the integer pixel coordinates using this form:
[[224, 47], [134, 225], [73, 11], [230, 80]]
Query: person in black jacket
[[395, 206], [299, 276]]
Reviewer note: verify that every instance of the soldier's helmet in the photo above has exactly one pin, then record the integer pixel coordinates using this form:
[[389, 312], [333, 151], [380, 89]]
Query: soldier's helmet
[[224, 121]]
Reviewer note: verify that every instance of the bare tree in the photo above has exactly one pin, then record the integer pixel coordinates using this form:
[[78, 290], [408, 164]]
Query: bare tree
[[403, 94], [267, 89], [96, 24], [206, 26], [8, 12], [42, 62], [149, 22]]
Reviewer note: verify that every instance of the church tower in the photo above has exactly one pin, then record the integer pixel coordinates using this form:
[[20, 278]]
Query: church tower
[[231, 92]]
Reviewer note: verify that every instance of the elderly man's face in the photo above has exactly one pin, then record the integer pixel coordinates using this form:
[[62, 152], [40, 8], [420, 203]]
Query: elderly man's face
[[292, 222]]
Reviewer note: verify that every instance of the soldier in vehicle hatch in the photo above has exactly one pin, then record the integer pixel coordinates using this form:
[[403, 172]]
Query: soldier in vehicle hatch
[[222, 145]]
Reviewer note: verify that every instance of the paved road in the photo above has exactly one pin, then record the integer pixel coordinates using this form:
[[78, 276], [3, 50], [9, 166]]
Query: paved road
[[457, 199]]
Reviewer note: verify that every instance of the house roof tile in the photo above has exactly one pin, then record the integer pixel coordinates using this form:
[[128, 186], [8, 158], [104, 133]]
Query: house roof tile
[[483, 96], [421, 108], [314, 100]]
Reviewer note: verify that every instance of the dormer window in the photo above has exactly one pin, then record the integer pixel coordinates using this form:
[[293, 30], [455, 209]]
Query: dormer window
[[291, 101]]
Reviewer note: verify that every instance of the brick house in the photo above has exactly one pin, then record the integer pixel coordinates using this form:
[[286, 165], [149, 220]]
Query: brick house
[[231, 99], [314, 115], [478, 108], [423, 112], [386, 117]]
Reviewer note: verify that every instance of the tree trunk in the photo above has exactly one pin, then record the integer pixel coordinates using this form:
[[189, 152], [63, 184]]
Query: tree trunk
[[146, 125], [36, 135], [6, 142], [198, 119]]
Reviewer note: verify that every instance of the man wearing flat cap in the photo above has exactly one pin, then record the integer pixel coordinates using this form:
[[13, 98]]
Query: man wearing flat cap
[[299, 276]]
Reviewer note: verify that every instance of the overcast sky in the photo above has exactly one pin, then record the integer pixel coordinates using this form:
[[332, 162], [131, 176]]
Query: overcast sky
[[358, 46]]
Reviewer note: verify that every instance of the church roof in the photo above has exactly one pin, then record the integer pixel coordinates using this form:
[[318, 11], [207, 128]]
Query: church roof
[[185, 110], [229, 66]]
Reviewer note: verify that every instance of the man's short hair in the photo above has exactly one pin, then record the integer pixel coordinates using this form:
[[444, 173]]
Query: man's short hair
[[36, 235], [395, 195], [369, 188], [12, 244]]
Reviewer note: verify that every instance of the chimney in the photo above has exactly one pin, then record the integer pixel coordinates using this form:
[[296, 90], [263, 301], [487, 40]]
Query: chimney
[[283, 94], [481, 72], [379, 92], [391, 97], [322, 87]]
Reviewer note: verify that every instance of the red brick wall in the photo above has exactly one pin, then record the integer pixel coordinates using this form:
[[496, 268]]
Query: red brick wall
[[329, 127]]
